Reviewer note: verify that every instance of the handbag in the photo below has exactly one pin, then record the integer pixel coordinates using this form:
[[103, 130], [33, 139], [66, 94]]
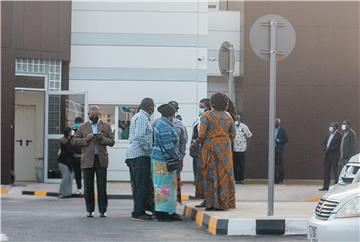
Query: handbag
[[171, 163]]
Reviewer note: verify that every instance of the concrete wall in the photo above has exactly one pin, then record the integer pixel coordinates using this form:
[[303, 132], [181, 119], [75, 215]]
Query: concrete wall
[[318, 83], [122, 52]]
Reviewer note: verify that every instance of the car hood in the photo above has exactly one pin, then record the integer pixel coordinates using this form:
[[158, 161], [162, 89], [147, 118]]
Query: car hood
[[341, 193], [355, 159]]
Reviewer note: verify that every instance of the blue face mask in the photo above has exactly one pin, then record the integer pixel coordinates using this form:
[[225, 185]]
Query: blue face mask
[[201, 111], [76, 125]]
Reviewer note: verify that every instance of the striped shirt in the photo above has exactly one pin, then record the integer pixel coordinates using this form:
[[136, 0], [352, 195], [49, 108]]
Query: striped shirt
[[140, 136]]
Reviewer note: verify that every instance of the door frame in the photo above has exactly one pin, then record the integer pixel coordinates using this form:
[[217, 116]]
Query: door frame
[[46, 126]]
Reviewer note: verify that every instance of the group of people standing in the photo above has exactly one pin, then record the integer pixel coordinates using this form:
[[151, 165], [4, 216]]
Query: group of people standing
[[339, 146]]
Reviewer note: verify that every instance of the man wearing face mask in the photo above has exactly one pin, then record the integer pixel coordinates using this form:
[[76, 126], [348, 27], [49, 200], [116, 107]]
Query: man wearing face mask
[[281, 139], [332, 154], [93, 137], [240, 145], [139, 162], [348, 144]]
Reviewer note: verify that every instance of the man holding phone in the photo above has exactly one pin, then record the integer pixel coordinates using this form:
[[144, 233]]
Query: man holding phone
[[93, 137]]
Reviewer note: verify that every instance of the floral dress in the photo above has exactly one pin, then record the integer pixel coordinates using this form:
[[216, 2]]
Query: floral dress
[[216, 136], [165, 183]]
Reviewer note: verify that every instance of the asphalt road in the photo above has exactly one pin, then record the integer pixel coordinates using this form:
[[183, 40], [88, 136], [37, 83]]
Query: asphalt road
[[27, 218]]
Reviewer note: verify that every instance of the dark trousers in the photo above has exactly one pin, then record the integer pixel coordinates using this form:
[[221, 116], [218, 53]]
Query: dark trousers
[[101, 187], [330, 166], [279, 167], [141, 184], [77, 171], [239, 165]]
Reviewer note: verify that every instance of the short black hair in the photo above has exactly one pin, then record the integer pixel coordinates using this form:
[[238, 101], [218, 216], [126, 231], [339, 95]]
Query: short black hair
[[147, 104], [67, 131], [219, 101], [206, 101], [78, 120]]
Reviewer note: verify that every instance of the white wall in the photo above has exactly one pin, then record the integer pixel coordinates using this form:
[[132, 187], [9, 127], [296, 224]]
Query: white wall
[[124, 51]]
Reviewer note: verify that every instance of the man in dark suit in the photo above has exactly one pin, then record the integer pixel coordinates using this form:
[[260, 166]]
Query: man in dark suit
[[348, 144], [281, 139], [94, 136], [331, 147]]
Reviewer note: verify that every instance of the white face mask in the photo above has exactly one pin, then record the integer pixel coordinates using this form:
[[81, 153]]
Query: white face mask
[[236, 123], [331, 129], [343, 127]]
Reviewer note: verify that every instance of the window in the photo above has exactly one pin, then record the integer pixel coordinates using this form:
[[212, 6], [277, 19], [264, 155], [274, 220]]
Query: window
[[119, 117]]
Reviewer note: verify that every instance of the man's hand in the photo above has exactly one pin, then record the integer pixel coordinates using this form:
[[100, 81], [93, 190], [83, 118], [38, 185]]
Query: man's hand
[[99, 137], [89, 137]]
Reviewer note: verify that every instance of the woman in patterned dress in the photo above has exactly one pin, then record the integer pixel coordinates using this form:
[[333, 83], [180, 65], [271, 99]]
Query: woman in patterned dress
[[165, 147], [216, 133]]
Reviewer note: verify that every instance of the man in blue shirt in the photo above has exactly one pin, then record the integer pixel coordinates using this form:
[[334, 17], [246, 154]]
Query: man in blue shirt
[[138, 160]]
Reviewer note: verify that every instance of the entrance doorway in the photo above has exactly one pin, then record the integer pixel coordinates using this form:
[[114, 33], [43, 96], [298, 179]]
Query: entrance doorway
[[29, 135]]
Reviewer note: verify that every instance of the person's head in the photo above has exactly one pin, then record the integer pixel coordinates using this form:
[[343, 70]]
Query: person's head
[[167, 111], [237, 119], [277, 122], [175, 105], [94, 114], [204, 105], [77, 122], [333, 126], [67, 132], [148, 105], [345, 125], [219, 101]]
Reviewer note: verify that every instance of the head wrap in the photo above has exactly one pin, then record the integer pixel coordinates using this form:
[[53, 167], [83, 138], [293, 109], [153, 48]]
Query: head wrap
[[166, 110]]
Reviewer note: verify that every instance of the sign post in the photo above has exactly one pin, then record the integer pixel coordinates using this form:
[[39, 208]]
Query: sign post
[[226, 66], [272, 38]]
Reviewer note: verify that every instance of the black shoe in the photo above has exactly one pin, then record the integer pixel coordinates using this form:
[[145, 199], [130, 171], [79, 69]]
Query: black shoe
[[175, 217], [103, 215], [90, 214], [201, 205], [210, 209], [141, 217], [323, 189]]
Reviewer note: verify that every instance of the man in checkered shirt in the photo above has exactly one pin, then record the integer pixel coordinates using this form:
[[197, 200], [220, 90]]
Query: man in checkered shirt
[[139, 162]]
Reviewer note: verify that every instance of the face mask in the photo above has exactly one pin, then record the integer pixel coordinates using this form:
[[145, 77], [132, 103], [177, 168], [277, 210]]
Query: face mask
[[331, 129], [237, 123], [76, 125], [94, 119], [201, 111], [344, 127], [72, 133]]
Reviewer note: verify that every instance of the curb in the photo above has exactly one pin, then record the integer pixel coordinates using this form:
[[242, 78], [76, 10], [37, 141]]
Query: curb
[[184, 197], [238, 226]]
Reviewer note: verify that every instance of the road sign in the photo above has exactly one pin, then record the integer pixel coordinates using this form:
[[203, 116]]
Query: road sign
[[260, 37], [226, 65], [272, 38]]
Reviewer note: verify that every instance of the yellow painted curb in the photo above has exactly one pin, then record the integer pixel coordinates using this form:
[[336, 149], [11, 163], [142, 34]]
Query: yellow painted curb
[[212, 225], [313, 199], [187, 212], [199, 218], [4, 190], [185, 197], [40, 194]]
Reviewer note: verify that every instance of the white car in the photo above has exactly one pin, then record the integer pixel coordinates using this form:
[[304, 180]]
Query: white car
[[337, 216], [350, 172]]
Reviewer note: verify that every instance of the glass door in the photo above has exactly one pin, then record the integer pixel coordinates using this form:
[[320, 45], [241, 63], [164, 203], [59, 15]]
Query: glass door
[[61, 109]]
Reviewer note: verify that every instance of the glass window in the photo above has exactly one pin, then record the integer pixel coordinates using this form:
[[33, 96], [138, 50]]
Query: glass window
[[126, 112], [107, 114]]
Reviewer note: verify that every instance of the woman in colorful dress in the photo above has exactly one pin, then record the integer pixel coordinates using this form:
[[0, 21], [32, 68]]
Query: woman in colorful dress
[[165, 148], [216, 133]]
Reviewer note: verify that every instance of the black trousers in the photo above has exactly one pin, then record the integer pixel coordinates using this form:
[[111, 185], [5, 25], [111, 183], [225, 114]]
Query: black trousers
[[330, 166], [141, 184], [101, 187], [279, 167], [77, 171], [239, 165]]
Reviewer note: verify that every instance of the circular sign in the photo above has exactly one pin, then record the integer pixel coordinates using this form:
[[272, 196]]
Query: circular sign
[[226, 62], [260, 37]]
